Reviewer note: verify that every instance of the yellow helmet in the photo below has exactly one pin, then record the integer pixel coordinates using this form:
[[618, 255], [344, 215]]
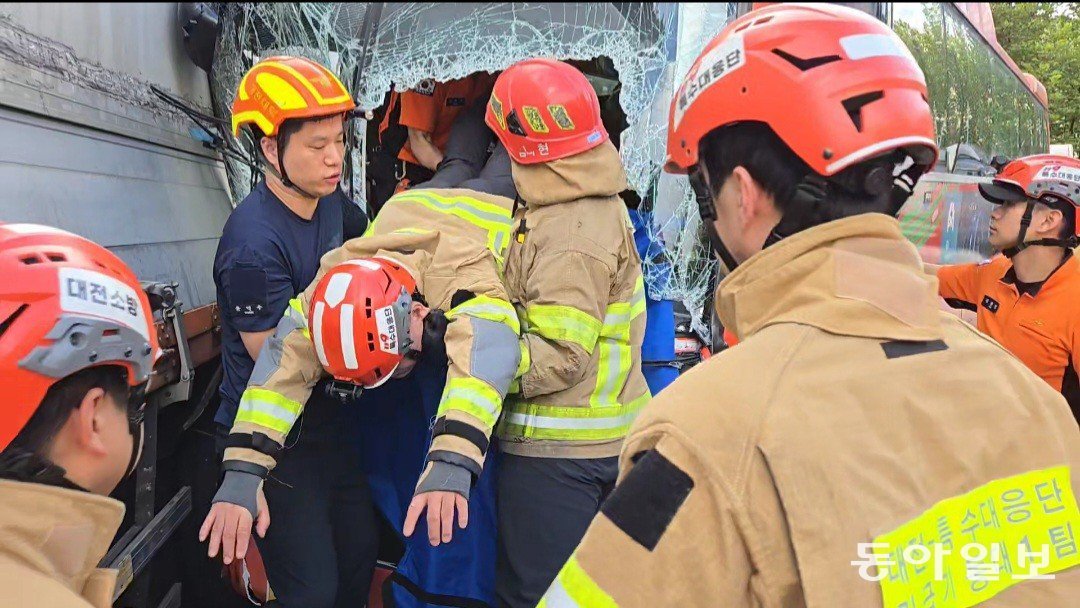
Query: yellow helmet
[[279, 88]]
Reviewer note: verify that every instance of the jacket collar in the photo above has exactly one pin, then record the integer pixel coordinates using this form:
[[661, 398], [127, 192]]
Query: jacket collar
[[597, 173], [61, 533], [857, 276], [1068, 263]]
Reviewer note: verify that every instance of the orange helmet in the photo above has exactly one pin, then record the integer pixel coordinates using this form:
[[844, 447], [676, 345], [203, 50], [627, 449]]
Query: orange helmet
[[544, 110], [280, 88], [1046, 178], [836, 85], [66, 304], [359, 320]]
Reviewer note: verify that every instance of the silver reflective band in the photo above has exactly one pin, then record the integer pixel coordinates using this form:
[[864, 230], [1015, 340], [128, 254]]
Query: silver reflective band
[[477, 310], [465, 205], [547, 422], [557, 597], [469, 395], [270, 409], [612, 375]]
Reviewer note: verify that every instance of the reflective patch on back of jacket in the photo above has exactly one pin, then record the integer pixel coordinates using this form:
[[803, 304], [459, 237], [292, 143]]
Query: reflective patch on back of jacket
[[966, 549]]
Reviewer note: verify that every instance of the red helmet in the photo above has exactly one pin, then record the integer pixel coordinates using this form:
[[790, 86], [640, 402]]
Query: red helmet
[[359, 320], [836, 85], [544, 110], [1043, 177], [66, 304]]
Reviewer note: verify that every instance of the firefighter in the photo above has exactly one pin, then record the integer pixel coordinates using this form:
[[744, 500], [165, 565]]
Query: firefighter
[[474, 159], [323, 548], [77, 346], [853, 411], [1027, 298], [422, 285], [574, 275], [426, 113]]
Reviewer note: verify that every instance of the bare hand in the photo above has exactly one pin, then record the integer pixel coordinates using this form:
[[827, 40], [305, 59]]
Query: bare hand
[[229, 526], [440, 515]]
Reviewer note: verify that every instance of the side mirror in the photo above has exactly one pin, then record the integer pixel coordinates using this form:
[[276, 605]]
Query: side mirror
[[200, 27]]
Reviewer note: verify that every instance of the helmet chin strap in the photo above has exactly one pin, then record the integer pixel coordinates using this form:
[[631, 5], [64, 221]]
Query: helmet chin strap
[[707, 212], [281, 174], [284, 176], [804, 210], [136, 407], [1020, 244], [808, 203]]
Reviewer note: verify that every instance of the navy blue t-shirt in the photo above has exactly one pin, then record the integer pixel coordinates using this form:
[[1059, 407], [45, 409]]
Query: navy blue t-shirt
[[266, 256]]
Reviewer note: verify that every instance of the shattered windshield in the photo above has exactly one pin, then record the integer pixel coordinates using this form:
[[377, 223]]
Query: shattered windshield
[[374, 45]]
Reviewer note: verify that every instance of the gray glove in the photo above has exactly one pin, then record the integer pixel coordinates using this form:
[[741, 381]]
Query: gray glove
[[445, 477], [240, 488]]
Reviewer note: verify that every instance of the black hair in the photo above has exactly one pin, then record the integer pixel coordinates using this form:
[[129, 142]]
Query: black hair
[[24, 459], [1068, 226], [286, 130], [1068, 216], [863, 188]]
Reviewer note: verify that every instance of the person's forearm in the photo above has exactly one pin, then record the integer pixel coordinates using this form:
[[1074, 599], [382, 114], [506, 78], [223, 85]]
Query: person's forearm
[[424, 149]]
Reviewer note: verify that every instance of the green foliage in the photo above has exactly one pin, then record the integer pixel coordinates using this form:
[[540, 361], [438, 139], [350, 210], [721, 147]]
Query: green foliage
[[975, 97], [1044, 39]]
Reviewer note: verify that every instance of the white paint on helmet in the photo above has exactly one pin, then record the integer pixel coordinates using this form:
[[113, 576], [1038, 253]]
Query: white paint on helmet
[[714, 66], [866, 46], [99, 295], [1059, 172], [316, 333], [368, 264], [26, 229], [388, 330], [348, 344], [336, 288]]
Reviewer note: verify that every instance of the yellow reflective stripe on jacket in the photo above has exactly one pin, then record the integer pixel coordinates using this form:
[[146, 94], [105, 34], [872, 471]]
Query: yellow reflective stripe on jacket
[[526, 359], [268, 409], [1034, 512], [574, 588], [296, 312], [371, 229], [492, 218], [486, 307], [569, 423], [566, 323], [471, 396], [616, 353], [411, 231]]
